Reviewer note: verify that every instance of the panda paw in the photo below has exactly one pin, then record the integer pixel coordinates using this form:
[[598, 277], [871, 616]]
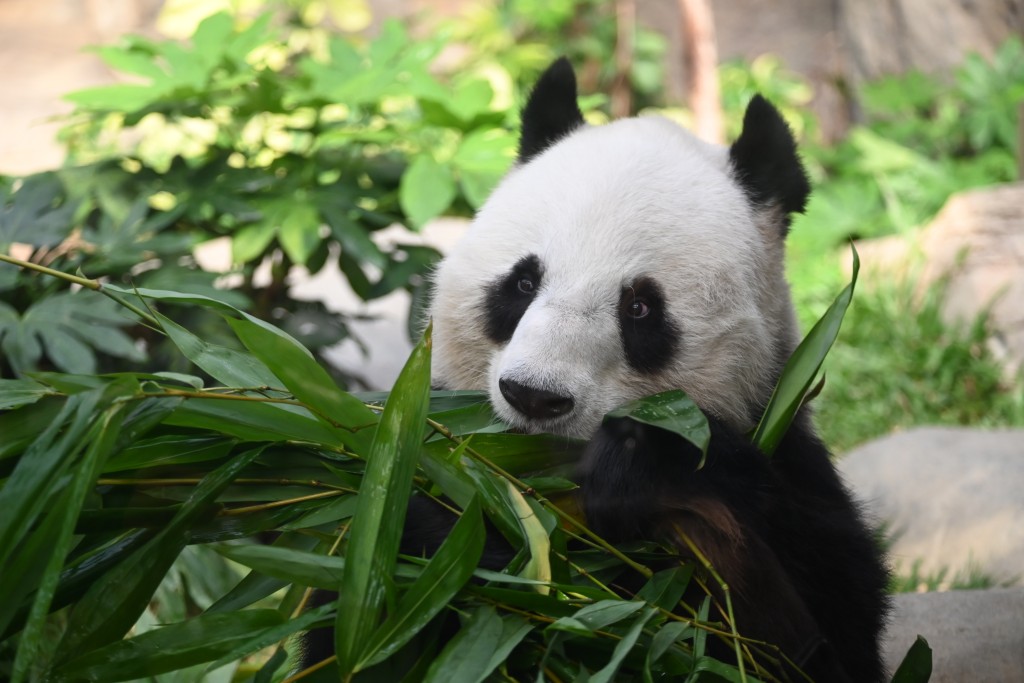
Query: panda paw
[[625, 468]]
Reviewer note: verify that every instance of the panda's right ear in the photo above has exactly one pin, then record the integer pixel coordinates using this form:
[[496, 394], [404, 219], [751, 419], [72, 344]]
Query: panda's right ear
[[551, 112]]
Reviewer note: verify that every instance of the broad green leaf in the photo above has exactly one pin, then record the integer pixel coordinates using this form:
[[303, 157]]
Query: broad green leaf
[[114, 602], [250, 242], [801, 369], [122, 97], [670, 410], [722, 671], [916, 666], [169, 648], [445, 574], [131, 61], [211, 37], [299, 232], [302, 376], [426, 190], [483, 643], [377, 527]]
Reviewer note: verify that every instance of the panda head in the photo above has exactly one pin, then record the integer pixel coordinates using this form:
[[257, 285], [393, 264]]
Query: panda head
[[617, 261]]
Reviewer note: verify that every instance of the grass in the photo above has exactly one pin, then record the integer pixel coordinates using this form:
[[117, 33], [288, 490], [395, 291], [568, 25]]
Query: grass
[[898, 364], [971, 577]]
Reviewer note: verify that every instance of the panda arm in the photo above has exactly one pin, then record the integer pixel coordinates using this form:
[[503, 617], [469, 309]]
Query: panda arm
[[642, 483]]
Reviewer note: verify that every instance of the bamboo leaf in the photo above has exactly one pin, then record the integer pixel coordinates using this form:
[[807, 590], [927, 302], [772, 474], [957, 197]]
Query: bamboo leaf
[[670, 410], [623, 648], [916, 666], [380, 515], [801, 369], [446, 572], [198, 640], [112, 604], [302, 375], [101, 442], [482, 644]]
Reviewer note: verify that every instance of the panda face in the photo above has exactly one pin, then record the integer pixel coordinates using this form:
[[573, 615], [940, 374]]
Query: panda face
[[612, 263]]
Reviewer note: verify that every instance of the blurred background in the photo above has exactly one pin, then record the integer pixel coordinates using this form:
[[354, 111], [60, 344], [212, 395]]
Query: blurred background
[[310, 159]]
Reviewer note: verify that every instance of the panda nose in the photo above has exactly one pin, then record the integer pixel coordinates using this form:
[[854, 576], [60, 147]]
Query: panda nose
[[535, 403]]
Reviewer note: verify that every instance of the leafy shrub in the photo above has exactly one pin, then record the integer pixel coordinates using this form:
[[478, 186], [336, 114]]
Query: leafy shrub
[[240, 134]]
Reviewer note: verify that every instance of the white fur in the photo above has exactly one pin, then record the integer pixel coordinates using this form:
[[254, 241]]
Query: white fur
[[603, 207]]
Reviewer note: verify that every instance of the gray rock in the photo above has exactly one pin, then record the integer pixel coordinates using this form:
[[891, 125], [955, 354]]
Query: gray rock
[[975, 636], [954, 495]]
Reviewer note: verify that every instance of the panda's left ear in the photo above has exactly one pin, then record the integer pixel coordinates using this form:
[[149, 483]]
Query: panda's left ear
[[765, 161], [551, 112]]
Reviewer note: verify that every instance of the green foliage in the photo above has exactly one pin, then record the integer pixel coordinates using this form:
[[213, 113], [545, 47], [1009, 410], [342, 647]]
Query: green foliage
[[899, 364], [111, 509], [295, 155], [920, 141]]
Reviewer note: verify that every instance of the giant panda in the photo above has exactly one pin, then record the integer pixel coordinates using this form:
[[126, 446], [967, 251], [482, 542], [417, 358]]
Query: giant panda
[[617, 261], [621, 260]]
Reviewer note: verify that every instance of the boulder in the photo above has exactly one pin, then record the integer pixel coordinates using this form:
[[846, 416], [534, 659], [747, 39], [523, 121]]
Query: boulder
[[975, 636], [952, 497], [977, 242]]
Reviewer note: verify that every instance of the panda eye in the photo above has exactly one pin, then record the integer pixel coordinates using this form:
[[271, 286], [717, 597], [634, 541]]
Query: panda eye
[[637, 309], [526, 285]]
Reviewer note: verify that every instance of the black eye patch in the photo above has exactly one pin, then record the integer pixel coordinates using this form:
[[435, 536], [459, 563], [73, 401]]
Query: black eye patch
[[649, 337], [509, 296]]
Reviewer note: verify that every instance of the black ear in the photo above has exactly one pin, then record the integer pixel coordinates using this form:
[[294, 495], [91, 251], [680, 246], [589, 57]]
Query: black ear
[[551, 113], [765, 160]]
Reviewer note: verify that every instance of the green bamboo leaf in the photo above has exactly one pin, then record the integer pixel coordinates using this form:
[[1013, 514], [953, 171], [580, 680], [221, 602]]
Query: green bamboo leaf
[[721, 671], [670, 410], [228, 366], [380, 515], [15, 393], [115, 601], [624, 647], [101, 440], [23, 426], [273, 635], [483, 643], [665, 589], [169, 648], [255, 421], [37, 476], [916, 666], [666, 636], [302, 376], [445, 574], [289, 564], [257, 585], [798, 375], [171, 449]]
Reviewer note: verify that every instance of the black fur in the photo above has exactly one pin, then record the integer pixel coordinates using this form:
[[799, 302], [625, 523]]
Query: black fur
[[766, 163], [803, 569], [551, 111], [506, 302], [651, 341]]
